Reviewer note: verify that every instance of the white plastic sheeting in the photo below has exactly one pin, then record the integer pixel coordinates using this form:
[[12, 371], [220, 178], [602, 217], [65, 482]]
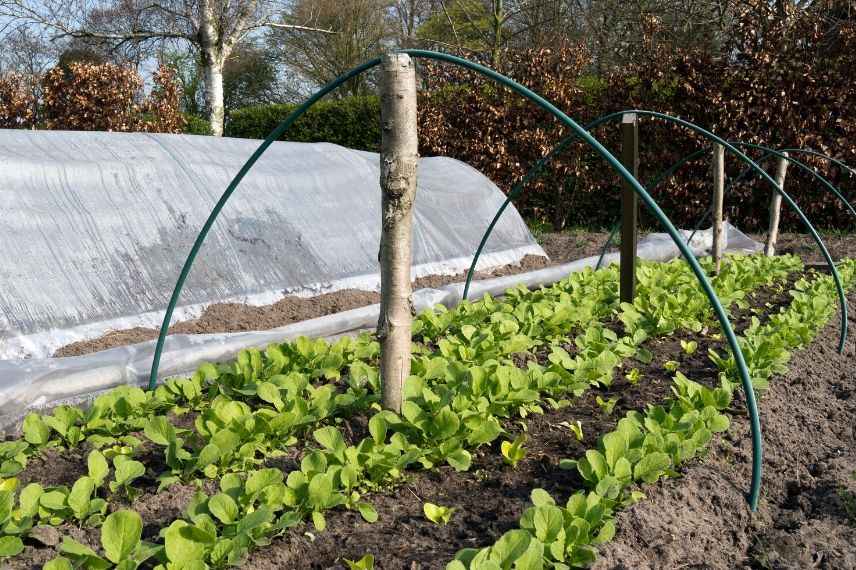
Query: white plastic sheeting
[[94, 228], [39, 383]]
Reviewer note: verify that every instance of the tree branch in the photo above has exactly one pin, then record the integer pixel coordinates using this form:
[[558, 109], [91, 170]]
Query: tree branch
[[280, 26]]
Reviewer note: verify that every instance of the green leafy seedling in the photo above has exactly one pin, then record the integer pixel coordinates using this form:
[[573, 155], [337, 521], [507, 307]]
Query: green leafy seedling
[[364, 563], [126, 471], [437, 514], [633, 376], [689, 347], [10, 546], [120, 535], [513, 452], [607, 406], [576, 428], [671, 365]]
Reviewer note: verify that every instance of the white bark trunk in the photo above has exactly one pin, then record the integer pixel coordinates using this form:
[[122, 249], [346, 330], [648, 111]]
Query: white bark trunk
[[776, 208], [212, 72], [213, 52], [718, 195], [398, 161]]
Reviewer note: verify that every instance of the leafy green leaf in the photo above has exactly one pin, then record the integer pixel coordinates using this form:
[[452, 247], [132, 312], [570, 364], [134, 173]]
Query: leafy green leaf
[[10, 546], [120, 535], [80, 495], [58, 563], [223, 507], [437, 514], [651, 467], [364, 563], [36, 431], [98, 468], [160, 431], [185, 544]]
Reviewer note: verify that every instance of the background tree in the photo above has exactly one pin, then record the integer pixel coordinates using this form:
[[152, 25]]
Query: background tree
[[251, 76], [363, 29], [27, 54], [213, 28]]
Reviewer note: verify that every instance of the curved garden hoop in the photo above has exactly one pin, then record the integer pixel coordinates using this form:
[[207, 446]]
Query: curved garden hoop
[[728, 331], [751, 164], [742, 176], [836, 161]]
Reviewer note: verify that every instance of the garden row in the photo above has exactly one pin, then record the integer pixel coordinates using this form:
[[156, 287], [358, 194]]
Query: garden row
[[233, 421]]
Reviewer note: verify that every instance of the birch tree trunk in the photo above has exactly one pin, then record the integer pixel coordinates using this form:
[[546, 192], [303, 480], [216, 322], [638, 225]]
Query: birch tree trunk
[[398, 160], [212, 73], [213, 51]]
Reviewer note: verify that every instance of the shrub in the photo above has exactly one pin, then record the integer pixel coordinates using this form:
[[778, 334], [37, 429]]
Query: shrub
[[196, 125], [16, 103], [107, 97], [353, 122], [792, 90]]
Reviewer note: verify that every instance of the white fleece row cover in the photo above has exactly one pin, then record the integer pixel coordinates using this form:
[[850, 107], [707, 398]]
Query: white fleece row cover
[[39, 383], [95, 227]]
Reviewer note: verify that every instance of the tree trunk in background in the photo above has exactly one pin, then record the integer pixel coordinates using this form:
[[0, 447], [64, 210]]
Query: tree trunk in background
[[212, 73], [718, 203], [776, 208], [398, 160]]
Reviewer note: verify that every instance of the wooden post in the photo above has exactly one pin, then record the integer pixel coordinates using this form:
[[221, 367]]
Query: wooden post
[[718, 195], [776, 208], [629, 207], [399, 156]]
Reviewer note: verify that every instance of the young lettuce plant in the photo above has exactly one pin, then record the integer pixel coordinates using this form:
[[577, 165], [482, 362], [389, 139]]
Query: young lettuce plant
[[575, 428], [437, 514], [364, 563], [120, 540], [513, 452], [125, 472], [633, 376], [606, 406]]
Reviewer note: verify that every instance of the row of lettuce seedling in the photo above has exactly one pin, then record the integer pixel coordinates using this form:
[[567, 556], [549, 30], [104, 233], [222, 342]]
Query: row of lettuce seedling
[[654, 443], [455, 403]]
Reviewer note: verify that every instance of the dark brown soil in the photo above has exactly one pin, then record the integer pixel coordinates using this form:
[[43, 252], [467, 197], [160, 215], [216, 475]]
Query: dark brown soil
[[698, 521], [233, 317], [702, 520], [840, 246], [489, 498]]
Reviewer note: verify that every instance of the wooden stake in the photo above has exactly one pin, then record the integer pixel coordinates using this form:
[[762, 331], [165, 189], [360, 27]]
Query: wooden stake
[[776, 208], [718, 196], [399, 157], [629, 208]]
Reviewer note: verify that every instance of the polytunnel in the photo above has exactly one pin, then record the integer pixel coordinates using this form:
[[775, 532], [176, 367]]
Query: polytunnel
[[93, 225]]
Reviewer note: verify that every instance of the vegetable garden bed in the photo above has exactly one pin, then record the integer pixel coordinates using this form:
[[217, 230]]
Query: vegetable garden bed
[[531, 423]]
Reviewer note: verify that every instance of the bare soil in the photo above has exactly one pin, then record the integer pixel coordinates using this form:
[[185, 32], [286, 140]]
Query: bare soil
[[802, 245], [235, 317], [700, 520], [807, 513]]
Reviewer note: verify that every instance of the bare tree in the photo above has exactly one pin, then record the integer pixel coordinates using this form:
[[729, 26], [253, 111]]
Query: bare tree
[[30, 55], [363, 28], [489, 26], [212, 27]]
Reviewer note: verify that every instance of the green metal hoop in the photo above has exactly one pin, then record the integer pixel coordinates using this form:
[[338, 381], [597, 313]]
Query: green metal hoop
[[731, 338]]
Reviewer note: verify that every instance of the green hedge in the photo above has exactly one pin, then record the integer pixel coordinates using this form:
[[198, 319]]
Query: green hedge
[[353, 122], [196, 125]]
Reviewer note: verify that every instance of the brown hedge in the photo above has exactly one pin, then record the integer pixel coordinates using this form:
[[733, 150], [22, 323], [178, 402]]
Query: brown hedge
[[107, 97], [794, 88], [17, 103]]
